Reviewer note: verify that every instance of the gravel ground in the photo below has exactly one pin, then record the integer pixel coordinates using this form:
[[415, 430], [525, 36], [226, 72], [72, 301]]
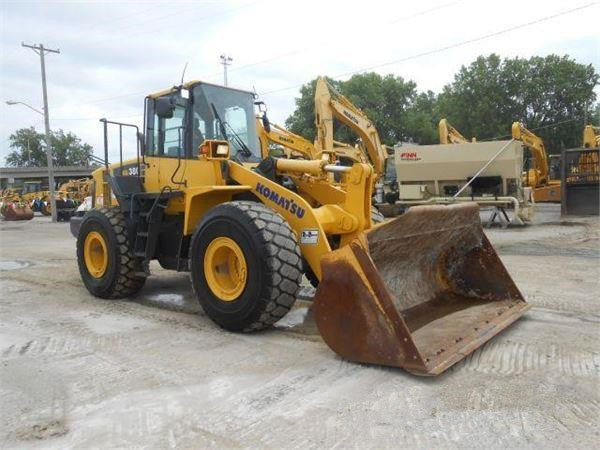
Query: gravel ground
[[153, 371]]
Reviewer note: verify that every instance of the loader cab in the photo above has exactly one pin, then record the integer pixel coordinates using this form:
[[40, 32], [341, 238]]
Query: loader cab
[[180, 119]]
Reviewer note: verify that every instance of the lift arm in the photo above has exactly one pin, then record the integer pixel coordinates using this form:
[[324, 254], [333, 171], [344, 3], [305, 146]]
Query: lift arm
[[329, 104], [450, 135], [539, 173]]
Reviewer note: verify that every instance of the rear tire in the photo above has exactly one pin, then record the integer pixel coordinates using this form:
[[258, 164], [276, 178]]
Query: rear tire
[[272, 265], [119, 278]]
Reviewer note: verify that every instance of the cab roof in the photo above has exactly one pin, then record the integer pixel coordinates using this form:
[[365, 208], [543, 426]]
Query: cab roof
[[190, 84]]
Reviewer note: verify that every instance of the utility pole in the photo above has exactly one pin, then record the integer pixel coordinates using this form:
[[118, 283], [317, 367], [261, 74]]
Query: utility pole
[[40, 50], [226, 61]]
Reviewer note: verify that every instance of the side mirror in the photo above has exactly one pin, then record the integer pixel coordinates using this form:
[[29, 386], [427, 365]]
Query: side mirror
[[142, 141], [164, 107], [265, 120], [266, 123]]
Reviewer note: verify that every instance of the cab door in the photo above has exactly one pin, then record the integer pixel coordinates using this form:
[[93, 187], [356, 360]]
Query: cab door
[[166, 147]]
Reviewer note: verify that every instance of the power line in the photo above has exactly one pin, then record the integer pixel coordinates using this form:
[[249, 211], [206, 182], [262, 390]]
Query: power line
[[552, 125], [448, 47], [320, 43], [424, 12]]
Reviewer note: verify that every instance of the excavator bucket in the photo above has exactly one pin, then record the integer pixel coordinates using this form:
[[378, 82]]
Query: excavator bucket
[[12, 211], [420, 292]]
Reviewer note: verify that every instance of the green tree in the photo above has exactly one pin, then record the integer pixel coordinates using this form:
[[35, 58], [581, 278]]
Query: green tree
[[422, 119], [385, 100], [552, 94], [29, 149]]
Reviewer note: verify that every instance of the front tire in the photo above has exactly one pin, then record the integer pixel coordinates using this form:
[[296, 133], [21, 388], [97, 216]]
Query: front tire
[[104, 255], [245, 266]]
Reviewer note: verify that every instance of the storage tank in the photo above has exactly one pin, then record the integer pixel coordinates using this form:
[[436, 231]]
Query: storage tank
[[427, 174]]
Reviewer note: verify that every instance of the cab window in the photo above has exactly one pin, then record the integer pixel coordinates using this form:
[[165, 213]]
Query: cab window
[[166, 137]]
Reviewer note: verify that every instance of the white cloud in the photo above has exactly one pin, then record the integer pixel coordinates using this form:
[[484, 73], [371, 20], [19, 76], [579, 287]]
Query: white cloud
[[112, 54]]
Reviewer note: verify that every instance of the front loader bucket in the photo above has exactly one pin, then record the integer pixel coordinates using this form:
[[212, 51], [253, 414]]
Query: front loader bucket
[[420, 292], [16, 212]]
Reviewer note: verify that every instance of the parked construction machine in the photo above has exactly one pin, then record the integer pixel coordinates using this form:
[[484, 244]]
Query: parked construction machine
[[13, 207], [450, 135], [330, 104], [588, 161], [296, 147], [591, 136], [538, 176], [419, 292]]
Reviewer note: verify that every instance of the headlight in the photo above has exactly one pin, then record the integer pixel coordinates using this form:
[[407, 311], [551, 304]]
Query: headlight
[[222, 150]]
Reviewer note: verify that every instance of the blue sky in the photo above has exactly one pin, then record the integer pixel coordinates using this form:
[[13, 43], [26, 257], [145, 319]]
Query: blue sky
[[113, 53]]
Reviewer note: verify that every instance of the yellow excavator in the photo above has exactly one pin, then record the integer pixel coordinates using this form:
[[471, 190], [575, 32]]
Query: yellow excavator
[[330, 104], [450, 135], [295, 146], [537, 177], [591, 136], [419, 292], [588, 162]]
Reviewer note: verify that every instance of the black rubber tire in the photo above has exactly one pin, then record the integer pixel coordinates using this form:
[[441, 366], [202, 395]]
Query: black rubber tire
[[376, 217], [120, 279], [273, 260]]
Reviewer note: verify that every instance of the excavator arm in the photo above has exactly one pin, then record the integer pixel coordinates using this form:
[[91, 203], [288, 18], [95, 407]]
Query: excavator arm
[[329, 104], [450, 135], [293, 144], [539, 172], [591, 136]]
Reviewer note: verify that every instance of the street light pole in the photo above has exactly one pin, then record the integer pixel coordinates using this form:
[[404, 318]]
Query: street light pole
[[40, 50], [226, 61]]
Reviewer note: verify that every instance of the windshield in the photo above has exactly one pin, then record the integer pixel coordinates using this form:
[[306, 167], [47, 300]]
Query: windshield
[[235, 109]]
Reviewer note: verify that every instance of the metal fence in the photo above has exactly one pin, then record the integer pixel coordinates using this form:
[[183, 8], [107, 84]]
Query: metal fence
[[580, 177]]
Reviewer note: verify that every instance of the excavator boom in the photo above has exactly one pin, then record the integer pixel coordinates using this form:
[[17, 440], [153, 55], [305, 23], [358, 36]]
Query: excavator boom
[[329, 104], [450, 135], [293, 145], [591, 136], [537, 148]]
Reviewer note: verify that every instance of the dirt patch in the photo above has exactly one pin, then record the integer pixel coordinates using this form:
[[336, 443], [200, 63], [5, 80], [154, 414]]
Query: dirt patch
[[42, 430]]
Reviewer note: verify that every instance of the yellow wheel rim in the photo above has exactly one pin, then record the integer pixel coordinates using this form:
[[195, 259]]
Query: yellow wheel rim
[[95, 254], [225, 268]]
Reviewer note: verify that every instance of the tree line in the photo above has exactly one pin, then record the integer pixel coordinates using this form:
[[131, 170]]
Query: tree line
[[553, 95], [29, 149]]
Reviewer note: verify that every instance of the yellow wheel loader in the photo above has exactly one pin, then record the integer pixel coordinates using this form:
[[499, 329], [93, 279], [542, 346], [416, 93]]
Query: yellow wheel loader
[[419, 292]]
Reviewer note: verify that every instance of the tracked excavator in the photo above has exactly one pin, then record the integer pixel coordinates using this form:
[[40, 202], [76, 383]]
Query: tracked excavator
[[450, 135], [419, 292], [330, 104], [588, 162], [537, 177], [591, 136], [295, 146]]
